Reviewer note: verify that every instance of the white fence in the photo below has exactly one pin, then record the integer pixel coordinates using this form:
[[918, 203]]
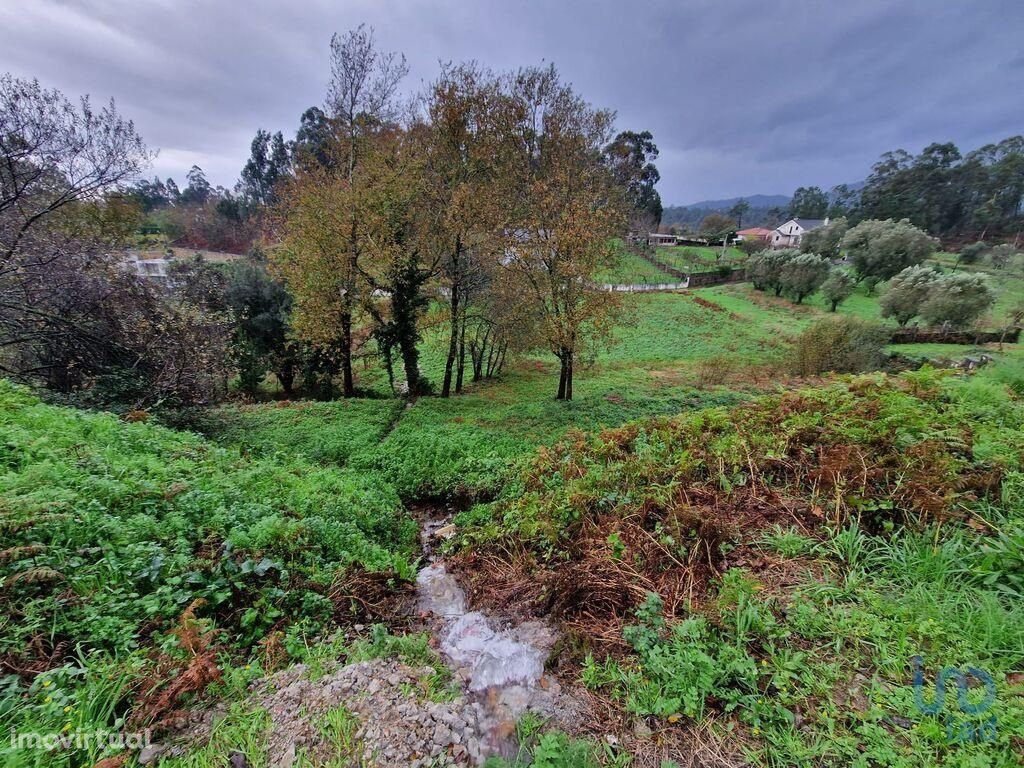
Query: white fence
[[643, 287]]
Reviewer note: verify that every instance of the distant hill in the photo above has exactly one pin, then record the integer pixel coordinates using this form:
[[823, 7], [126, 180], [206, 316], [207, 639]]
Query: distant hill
[[758, 213], [756, 201]]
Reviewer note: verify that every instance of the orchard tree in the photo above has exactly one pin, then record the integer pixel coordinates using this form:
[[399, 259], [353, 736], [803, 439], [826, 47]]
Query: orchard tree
[[765, 269], [837, 288], [568, 207], [908, 292], [802, 275], [879, 250], [957, 300], [631, 157], [825, 240]]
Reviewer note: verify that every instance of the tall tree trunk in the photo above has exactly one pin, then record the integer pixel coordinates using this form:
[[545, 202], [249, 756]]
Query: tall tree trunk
[[561, 376], [286, 375], [348, 387], [411, 361], [462, 355], [453, 338], [568, 376]]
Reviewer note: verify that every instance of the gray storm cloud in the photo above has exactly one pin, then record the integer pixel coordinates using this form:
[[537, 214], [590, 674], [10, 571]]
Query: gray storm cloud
[[742, 97]]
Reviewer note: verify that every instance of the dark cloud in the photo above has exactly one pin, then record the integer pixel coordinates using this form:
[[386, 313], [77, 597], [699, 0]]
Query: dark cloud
[[742, 97]]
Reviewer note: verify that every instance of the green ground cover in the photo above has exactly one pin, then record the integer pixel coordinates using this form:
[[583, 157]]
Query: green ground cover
[[912, 565], [112, 529]]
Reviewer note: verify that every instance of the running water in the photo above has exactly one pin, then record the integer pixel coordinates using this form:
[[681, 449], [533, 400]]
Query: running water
[[502, 667]]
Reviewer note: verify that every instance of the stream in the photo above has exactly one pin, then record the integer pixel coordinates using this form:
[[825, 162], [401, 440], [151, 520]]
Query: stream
[[500, 667]]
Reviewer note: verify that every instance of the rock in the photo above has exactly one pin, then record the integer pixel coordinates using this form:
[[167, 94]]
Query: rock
[[446, 531], [150, 753], [238, 760]]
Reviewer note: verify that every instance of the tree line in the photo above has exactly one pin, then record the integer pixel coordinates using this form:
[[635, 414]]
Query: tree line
[[493, 195], [946, 193]]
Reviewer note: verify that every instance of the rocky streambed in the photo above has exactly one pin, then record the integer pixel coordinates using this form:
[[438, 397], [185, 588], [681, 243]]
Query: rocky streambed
[[498, 666]]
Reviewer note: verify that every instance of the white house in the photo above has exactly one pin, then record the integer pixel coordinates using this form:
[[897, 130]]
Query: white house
[[790, 234]]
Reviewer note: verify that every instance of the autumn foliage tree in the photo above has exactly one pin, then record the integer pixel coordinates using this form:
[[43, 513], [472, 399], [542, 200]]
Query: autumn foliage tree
[[567, 208]]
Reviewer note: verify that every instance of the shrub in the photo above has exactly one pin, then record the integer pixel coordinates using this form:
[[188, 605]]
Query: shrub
[[839, 345], [970, 254]]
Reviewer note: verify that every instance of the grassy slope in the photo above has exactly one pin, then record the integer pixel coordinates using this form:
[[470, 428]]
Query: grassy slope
[[815, 667]]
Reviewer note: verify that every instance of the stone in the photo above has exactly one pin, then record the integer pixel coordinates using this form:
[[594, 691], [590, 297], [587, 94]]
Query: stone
[[150, 753]]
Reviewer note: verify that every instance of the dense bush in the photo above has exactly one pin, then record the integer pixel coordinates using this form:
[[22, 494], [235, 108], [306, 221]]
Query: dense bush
[[839, 345]]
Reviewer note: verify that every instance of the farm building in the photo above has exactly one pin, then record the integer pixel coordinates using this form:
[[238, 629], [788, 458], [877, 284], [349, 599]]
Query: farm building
[[790, 234]]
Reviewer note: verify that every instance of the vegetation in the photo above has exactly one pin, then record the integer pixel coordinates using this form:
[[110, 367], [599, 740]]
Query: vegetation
[[861, 489], [762, 528]]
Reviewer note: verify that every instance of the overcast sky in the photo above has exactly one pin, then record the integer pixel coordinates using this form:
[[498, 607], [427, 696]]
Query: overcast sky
[[743, 96]]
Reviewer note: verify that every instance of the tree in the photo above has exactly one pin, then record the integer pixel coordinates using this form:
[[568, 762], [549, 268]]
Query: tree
[[568, 207], [765, 269], [313, 139], [907, 293], [198, 190], [825, 240], [1000, 256], [738, 211], [808, 203], [631, 157], [802, 275], [717, 226], [400, 253], [957, 300], [462, 140], [945, 193], [63, 228], [837, 288], [268, 163], [360, 98], [880, 250], [752, 245], [971, 252], [261, 307]]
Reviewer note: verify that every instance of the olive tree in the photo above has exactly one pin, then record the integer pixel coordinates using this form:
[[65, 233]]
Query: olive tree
[[907, 293], [957, 300], [880, 250], [837, 288], [803, 275], [765, 269], [825, 240]]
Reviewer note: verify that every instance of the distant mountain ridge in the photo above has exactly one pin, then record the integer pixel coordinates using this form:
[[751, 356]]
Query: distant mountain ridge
[[755, 201]]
